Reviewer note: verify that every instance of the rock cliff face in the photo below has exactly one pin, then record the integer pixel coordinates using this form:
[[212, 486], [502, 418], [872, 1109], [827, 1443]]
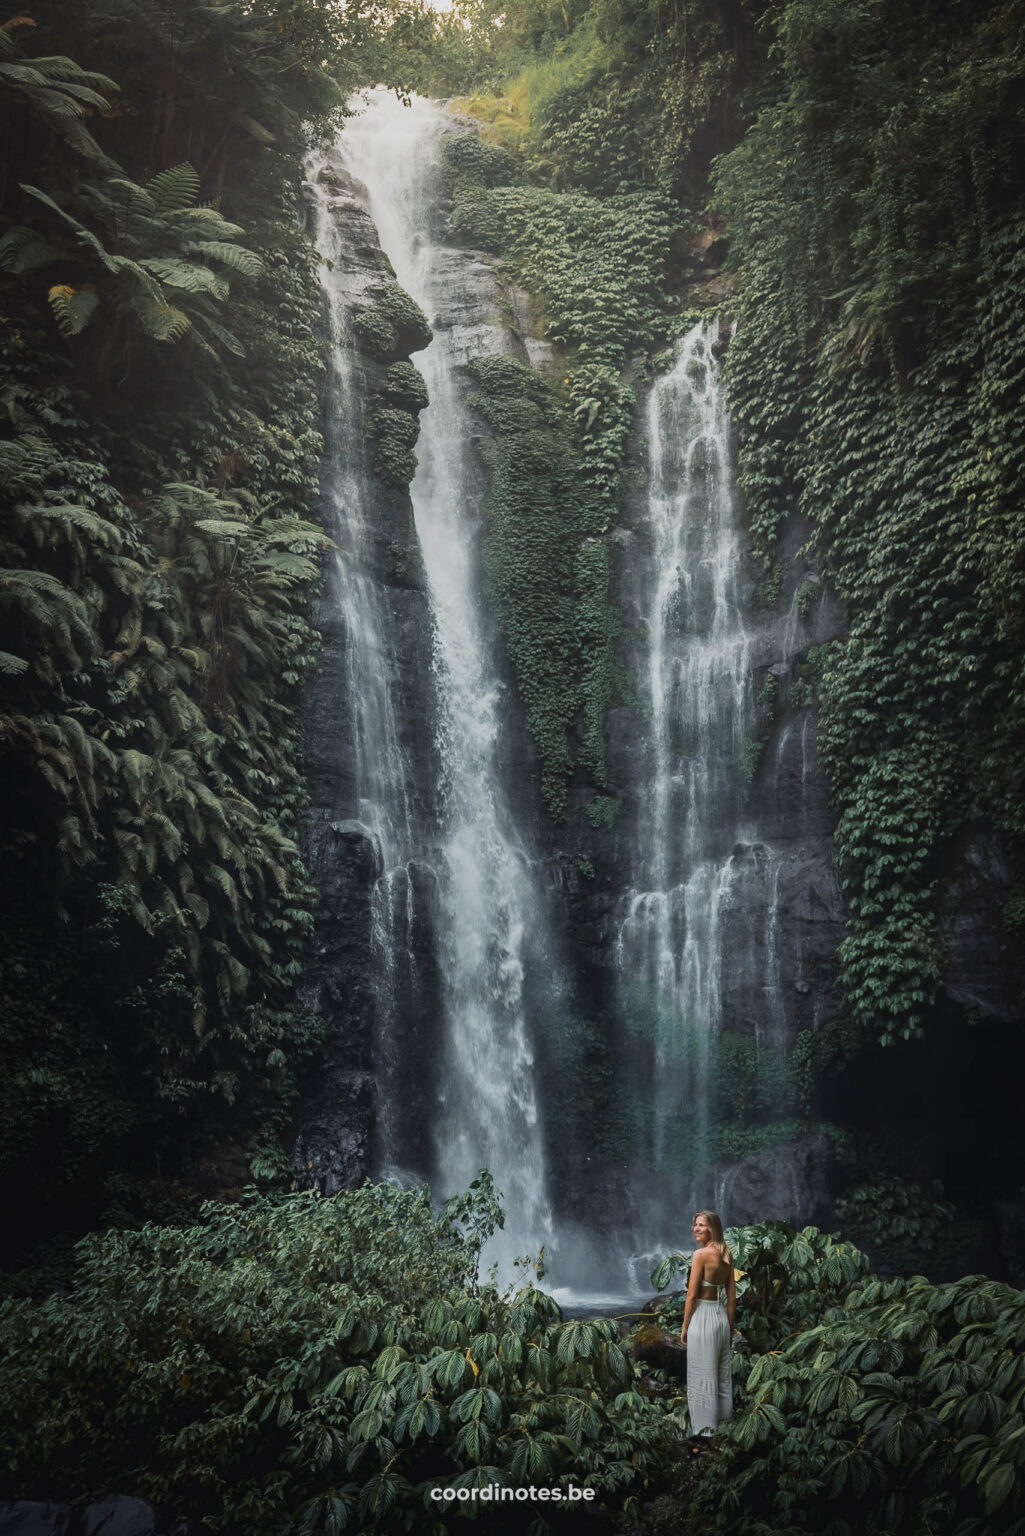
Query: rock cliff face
[[791, 1181], [984, 970]]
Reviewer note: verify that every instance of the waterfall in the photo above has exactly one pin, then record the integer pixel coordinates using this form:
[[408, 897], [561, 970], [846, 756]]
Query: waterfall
[[379, 797], [490, 919], [724, 831], [698, 689], [720, 907]]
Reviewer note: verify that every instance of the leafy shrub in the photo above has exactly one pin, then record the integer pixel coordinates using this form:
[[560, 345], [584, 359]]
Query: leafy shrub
[[899, 1214], [394, 434], [602, 810], [314, 1363], [393, 325], [405, 387], [902, 1408]]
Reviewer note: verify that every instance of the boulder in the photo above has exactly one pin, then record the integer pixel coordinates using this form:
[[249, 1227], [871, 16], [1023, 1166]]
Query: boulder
[[115, 1514], [788, 1182], [29, 1518]]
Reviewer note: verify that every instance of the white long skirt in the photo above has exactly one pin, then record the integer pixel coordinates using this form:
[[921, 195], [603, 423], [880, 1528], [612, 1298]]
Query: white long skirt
[[709, 1383]]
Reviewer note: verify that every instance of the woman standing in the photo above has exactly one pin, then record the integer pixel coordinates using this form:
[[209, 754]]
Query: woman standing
[[707, 1326]]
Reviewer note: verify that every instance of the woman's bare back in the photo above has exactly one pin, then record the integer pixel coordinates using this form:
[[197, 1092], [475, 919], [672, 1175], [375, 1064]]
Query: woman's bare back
[[713, 1272]]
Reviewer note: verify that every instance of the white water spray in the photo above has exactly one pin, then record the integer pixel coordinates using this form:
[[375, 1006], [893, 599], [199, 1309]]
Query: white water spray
[[698, 687], [492, 917]]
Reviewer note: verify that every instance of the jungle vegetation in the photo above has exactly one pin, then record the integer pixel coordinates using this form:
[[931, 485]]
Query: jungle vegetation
[[311, 1364], [285, 1358], [159, 453]]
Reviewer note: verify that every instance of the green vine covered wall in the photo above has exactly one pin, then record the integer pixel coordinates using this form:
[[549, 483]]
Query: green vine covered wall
[[876, 375], [597, 268]]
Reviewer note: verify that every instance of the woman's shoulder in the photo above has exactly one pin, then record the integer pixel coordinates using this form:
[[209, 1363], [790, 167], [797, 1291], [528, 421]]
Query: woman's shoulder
[[713, 1263]]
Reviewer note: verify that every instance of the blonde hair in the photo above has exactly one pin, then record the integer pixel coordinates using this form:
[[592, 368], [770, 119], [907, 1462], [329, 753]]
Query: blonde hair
[[718, 1239]]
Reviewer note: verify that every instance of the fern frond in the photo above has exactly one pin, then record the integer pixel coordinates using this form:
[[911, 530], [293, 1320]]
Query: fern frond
[[62, 71], [69, 516], [85, 235], [174, 189], [23, 249], [235, 257], [73, 308], [220, 528], [219, 333], [127, 196], [205, 224], [190, 276], [82, 93], [221, 878], [24, 462], [199, 908], [162, 322]]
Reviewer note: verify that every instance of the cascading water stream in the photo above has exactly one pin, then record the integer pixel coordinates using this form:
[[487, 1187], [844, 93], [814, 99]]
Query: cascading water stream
[[699, 689], [701, 942], [491, 916], [379, 799]]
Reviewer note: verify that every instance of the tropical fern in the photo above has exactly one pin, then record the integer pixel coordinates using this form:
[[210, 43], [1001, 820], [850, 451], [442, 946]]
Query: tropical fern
[[158, 569], [56, 90], [73, 308], [151, 256]]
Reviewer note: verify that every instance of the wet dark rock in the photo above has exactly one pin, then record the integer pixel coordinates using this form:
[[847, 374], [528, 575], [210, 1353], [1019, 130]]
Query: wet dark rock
[[29, 1518], [359, 850], [113, 1515], [409, 1062], [707, 248], [469, 303], [117, 1516], [657, 1346], [791, 1181], [984, 966], [347, 199], [332, 1148]]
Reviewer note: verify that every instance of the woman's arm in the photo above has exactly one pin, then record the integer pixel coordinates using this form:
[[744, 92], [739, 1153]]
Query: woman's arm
[[731, 1297], [693, 1286]]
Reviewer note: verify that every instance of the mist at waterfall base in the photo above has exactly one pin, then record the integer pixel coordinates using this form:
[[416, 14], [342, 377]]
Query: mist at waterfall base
[[693, 855]]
